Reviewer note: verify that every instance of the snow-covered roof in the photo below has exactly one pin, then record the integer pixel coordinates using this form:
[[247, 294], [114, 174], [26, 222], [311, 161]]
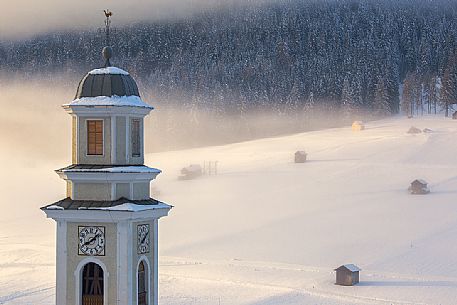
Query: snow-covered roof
[[108, 70], [130, 207], [116, 101], [421, 181], [350, 267], [114, 169], [122, 204], [55, 207]]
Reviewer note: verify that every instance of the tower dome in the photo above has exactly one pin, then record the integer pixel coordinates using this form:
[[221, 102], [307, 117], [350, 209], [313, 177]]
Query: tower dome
[[109, 81], [108, 86]]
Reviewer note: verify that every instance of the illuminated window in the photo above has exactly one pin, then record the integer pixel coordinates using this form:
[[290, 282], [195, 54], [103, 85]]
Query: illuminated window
[[95, 137]]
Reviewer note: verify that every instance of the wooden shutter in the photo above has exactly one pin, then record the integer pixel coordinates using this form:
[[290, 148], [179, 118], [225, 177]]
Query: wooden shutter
[[136, 140], [95, 137]]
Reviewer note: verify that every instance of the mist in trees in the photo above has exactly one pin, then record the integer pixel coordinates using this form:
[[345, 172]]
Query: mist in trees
[[351, 56]]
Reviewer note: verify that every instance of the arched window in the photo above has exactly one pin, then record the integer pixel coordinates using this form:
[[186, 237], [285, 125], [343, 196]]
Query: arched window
[[92, 285], [142, 284]]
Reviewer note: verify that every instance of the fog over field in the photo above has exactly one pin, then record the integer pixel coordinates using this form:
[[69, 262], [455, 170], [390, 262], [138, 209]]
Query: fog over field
[[264, 231], [35, 117], [23, 18], [35, 137], [245, 86]]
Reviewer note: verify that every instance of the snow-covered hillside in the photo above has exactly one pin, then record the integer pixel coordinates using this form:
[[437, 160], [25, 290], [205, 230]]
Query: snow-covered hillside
[[268, 231]]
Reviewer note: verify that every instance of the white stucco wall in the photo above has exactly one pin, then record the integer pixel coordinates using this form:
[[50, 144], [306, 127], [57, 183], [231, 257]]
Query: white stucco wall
[[92, 191], [148, 257], [82, 142], [122, 190], [141, 191], [109, 260], [121, 140]]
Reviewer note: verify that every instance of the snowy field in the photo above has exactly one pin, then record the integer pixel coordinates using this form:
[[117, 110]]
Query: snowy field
[[266, 231]]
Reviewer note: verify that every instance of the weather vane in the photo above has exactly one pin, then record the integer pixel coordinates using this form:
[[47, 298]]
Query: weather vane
[[108, 14], [107, 50]]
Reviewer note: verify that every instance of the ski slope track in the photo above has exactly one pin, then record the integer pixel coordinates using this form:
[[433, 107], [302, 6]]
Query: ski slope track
[[267, 231]]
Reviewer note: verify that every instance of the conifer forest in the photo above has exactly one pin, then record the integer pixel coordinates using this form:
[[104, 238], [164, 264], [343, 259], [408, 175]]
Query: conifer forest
[[348, 56]]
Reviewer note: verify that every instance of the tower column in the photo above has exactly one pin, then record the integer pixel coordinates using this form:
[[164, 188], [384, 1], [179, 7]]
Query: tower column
[[127, 139], [155, 267], [113, 140], [61, 262], [123, 263]]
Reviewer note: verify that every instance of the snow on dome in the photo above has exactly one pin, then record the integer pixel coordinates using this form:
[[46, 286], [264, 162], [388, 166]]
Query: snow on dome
[[108, 70], [109, 81], [118, 101]]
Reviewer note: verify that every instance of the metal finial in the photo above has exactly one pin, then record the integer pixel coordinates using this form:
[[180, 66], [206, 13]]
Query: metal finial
[[107, 53], [107, 50], [108, 14]]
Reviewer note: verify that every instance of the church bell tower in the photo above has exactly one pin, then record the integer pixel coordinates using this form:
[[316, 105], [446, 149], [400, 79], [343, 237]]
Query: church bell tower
[[107, 227]]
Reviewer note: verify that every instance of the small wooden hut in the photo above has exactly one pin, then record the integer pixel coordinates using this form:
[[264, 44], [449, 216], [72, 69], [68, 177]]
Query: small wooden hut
[[191, 172], [419, 187], [358, 126], [347, 275], [414, 130], [300, 156]]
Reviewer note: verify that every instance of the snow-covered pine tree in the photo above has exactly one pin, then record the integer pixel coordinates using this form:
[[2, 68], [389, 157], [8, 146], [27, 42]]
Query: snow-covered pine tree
[[438, 92], [308, 111], [381, 105], [407, 96], [449, 84], [347, 101]]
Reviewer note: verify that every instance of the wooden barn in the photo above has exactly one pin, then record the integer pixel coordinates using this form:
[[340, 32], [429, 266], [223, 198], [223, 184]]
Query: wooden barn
[[300, 156], [358, 126], [414, 130], [419, 187], [347, 275], [191, 172]]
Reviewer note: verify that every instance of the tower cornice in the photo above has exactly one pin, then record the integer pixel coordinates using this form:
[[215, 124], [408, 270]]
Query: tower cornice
[[107, 215], [106, 110], [109, 173]]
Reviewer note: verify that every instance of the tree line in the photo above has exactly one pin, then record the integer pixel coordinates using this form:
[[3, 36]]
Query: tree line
[[291, 56]]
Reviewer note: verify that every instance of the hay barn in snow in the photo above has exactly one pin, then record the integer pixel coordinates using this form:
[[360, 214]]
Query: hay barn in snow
[[347, 275]]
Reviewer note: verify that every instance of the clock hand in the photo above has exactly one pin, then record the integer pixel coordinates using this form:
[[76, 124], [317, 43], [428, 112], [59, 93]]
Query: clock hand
[[91, 240], [144, 238]]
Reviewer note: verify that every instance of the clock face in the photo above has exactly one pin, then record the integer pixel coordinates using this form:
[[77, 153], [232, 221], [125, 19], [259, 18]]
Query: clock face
[[143, 238], [91, 241]]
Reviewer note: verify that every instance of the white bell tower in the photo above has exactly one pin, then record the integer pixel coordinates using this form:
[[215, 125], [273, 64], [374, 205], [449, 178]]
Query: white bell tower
[[107, 227]]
